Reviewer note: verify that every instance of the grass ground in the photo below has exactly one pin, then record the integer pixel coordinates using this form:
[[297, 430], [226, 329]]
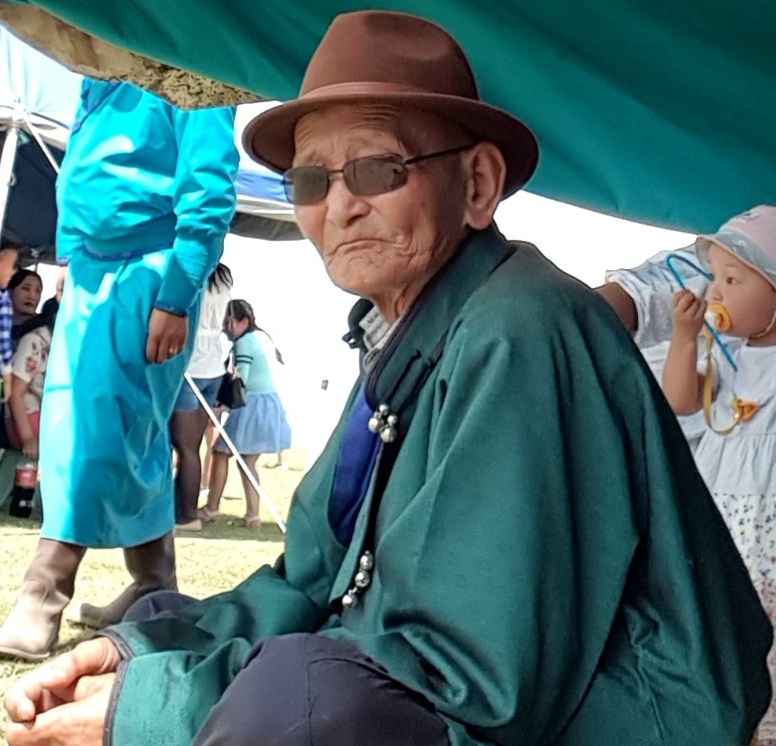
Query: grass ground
[[208, 562]]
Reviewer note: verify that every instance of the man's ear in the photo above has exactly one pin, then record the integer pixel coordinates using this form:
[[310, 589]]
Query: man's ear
[[485, 171]]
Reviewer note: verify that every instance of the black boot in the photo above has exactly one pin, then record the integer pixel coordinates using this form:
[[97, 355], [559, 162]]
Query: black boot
[[152, 567]]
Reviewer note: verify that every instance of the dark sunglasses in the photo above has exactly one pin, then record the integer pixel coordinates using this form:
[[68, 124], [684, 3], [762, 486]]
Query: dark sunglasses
[[372, 174]]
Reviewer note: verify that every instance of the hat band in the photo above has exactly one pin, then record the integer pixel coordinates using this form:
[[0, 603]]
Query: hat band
[[369, 89]]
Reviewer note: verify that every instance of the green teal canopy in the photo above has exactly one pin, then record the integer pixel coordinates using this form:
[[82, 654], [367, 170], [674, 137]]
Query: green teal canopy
[[662, 111]]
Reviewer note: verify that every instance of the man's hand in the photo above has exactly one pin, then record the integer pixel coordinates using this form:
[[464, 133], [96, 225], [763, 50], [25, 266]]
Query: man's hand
[[167, 335], [59, 682], [688, 315], [78, 721]]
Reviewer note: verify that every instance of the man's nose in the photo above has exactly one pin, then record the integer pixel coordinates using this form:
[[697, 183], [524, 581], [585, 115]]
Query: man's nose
[[342, 205]]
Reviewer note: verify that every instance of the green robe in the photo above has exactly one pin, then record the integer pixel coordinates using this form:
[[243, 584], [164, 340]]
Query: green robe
[[549, 568]]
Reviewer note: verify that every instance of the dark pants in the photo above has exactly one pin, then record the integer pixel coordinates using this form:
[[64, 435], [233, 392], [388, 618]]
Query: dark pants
[[310, 690]]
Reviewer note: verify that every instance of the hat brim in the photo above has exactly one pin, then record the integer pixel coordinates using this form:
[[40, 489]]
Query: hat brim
[[269, 137], [702, 246]]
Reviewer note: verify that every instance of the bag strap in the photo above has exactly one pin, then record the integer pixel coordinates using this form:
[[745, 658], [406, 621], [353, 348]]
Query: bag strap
[[278, 356], [233, 360]]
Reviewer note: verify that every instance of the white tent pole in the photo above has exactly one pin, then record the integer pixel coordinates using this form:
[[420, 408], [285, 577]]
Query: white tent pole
[[42, 145], [240, 460], [7, 159]]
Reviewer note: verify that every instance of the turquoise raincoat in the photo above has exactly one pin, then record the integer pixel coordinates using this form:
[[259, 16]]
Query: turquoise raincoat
[[145, 197]]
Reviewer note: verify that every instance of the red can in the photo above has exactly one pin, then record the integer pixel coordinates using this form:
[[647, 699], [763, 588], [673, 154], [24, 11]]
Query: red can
[[26, 476], [23, 494]]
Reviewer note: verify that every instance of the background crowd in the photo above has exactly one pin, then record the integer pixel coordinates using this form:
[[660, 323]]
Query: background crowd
[[201, 455], [25, 331]]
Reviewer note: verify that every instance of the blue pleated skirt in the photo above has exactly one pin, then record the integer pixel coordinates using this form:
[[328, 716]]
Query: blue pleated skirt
[[258, 427]]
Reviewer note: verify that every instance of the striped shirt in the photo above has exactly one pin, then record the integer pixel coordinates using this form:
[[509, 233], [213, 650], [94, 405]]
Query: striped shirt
[[6, 325]]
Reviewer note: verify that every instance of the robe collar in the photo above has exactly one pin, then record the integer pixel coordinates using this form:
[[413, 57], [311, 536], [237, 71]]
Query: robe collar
[[391, 388], [417, 339]]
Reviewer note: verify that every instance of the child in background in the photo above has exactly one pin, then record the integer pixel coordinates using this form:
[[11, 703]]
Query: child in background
[[736, 454], [260, 426]]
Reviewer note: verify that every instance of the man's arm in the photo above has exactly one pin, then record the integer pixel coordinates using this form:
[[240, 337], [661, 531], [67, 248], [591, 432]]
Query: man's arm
[[499, 607], [190, 657], [516, 571], [205, 200]]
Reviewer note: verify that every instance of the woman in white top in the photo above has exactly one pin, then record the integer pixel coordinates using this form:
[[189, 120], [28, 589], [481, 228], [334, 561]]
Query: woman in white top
[[29, 371], [189, 420]]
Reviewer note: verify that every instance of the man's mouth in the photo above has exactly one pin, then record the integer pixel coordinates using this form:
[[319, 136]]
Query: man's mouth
[[356, 244]]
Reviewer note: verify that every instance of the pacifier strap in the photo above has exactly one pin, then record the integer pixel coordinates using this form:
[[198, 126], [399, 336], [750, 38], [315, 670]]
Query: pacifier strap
[[743, 410]]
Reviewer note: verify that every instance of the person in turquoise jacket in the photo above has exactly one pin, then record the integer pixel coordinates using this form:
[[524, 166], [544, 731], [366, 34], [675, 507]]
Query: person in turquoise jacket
[[145, 196], [505, 542]]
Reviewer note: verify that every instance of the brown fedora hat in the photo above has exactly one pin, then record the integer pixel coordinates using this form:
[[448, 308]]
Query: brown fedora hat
[[393, 58]]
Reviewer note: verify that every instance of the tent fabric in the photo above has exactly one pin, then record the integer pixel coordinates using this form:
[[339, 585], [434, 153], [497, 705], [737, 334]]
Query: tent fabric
[[44, 96], [263, 210], [39, 86], [652, 110], [96, 58], [41, 96]]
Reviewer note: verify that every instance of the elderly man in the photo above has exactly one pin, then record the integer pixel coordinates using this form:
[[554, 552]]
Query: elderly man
[[505, 540]]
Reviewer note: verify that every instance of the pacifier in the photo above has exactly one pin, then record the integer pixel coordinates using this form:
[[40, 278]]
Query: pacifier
[[718, 316]]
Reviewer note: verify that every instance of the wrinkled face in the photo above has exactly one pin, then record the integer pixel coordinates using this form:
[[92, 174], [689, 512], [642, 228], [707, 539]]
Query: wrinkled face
[[746, 294], [8, 259], [384, 247], [26, 295]]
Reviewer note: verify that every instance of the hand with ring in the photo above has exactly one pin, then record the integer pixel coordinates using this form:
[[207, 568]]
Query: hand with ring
[[167, 335]]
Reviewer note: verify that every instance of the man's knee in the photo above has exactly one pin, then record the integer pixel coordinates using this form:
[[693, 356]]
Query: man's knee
[[298, 690], [155, 603]]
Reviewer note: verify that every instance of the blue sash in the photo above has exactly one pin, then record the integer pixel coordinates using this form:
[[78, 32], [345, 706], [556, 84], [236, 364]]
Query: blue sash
[[353, 472]]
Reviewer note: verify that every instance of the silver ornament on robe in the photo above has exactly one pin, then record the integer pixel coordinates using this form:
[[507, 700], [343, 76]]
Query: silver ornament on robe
[[361, 581], [385, 423], [350, 599], [378, 419]]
